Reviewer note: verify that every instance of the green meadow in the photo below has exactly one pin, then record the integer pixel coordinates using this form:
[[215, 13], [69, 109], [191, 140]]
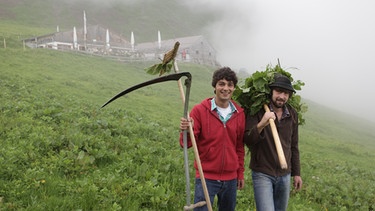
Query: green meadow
[[60, 151]]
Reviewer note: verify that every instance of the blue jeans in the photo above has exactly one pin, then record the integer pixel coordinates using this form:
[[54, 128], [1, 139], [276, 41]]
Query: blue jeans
[[226, 192], [271, 193]]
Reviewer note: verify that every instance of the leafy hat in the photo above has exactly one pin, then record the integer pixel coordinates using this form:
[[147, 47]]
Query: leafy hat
[[283, 82]]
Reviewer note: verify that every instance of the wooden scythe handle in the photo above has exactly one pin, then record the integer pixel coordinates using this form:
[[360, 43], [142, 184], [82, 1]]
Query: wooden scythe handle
[[279, 148], [196, 153], [200, 169], [199, 204]]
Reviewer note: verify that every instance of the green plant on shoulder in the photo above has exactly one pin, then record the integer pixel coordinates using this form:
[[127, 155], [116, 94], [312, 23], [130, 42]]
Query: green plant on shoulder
[[255, 92]]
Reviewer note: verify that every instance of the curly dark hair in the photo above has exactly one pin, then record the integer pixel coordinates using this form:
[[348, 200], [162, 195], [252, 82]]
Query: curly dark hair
[[224, 73]]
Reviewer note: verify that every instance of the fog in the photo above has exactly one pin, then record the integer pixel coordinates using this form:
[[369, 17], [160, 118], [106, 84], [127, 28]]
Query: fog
[[328, 44]]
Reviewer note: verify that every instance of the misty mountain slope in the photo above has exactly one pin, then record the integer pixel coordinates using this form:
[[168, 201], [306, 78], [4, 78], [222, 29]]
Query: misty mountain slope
[[144, 18], [60, 150], [331, 129], [51, 116], [112, 77]]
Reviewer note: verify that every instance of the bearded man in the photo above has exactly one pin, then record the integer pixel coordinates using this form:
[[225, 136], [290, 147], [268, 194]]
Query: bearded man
[[271, 183]]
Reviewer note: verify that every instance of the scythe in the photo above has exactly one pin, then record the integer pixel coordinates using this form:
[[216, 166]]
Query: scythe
[[161, 69], [170, 77]]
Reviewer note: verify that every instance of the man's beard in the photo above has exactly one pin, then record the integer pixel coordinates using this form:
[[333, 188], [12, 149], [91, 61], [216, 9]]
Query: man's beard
[[278, 103]]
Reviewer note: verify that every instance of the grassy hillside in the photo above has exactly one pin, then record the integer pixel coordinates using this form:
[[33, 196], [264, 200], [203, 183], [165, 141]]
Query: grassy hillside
[[56, 139], [60, 151], [98, 79]]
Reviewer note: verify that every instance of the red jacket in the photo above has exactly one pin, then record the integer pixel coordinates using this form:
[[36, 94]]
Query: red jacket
[[221, 148]]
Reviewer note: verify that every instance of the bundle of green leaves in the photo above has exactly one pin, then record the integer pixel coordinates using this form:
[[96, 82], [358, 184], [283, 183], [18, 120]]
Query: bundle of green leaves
[[159, 69], [256, 91]]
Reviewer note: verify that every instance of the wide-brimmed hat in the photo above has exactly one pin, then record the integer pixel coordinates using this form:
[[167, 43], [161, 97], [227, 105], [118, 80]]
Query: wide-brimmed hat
[[283, 82]]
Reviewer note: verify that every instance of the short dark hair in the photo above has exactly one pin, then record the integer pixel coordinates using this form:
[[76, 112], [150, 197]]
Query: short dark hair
[[224, 73]]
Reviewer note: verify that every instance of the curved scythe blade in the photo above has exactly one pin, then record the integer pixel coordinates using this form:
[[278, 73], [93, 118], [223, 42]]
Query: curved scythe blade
[[170, 77]]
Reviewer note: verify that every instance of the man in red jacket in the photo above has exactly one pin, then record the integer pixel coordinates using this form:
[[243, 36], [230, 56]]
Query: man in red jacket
[[219, 125]]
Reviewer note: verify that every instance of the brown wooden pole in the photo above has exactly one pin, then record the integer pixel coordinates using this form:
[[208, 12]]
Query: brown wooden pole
[[276, 138], [194, 143]]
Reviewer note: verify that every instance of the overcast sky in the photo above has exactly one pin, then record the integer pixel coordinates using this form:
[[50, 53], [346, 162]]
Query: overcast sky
[[330, 42]]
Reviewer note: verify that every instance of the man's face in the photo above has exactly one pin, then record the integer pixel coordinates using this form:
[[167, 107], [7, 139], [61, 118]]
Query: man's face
[[280, 97], [224, 90]]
